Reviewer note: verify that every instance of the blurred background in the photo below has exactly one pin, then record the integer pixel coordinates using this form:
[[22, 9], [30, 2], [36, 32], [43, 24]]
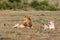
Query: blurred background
[[50, 5]]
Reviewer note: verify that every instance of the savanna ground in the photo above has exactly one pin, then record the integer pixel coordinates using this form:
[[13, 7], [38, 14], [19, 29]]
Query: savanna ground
[[10, 18]]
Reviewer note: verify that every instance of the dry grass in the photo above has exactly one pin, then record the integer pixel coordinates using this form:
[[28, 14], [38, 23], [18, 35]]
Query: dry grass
[[12, 17]]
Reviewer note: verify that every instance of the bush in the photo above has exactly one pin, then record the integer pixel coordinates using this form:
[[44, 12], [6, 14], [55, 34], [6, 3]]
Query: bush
[[39, 5], [14, 1], [25, 5], [34, 4], [51, 8], [44, 2], [2, 6], [8, 5], [43, 5]]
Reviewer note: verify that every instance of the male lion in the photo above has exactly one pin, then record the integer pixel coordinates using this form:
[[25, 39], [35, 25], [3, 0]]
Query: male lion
[[27, 21]]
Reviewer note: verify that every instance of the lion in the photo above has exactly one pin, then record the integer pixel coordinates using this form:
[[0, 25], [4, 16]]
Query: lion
[[27, 21], [50, 26], [18, 26]]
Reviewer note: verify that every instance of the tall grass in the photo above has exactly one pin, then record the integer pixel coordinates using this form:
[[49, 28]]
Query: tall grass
[[43, 5], [24, 5], [14, 1]]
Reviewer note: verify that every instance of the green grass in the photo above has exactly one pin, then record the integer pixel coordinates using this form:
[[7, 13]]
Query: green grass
[[42, 21], [18, 33], [57, 20], [0, 33], [10, 31], [24, 5], [43, 5]]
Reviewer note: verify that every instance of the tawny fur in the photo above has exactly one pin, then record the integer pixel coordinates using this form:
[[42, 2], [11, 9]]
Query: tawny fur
[[45, 26], [27, 21], [18, 26]]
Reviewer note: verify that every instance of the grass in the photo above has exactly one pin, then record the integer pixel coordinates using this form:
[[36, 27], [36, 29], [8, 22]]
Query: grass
[[18, 33], [10, 31], [57, 20], [40, 17], [24, 5], [43, 5], [41, 14], [16, 14], [0, 34], [42, 21]]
